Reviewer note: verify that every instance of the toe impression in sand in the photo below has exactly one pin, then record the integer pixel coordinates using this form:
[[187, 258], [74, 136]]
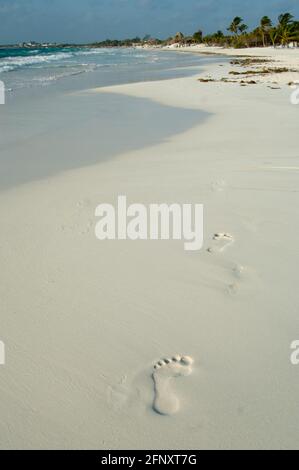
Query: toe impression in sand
[[165, 401], [221, 242]]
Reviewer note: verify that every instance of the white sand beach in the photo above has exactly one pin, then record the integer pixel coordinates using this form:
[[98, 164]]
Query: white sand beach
[[276, 58], [84, 322]]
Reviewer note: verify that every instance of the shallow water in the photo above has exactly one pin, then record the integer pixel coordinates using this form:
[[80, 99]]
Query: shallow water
[[27, 70], [48, 129]]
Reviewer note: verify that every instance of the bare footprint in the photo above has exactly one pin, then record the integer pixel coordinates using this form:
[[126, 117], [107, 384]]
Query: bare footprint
[[165, 401], [218, 186], [221, 242], [244, 278], [238, 271], [118, 394]]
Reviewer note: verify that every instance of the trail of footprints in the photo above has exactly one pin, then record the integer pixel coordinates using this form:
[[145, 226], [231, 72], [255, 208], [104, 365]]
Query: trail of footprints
[[220, 242]]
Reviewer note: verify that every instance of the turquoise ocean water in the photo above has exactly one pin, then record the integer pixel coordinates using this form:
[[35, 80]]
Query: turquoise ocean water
[[46, 127], [24, 68]]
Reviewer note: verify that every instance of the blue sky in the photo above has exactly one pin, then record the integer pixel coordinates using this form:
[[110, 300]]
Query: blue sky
[[90, 20]]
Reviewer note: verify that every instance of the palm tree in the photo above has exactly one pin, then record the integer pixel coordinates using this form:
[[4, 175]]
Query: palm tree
[[264, 28], [287, 34], [273, 34], [286, 28], [243, 28], [285, 19], [197, 36], [235, 25], [179, 37]]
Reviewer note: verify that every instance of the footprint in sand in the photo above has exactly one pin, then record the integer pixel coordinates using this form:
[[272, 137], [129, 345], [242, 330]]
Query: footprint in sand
[[221, 242], [118, 394], [218, 186], [238, 271], [165, 401]]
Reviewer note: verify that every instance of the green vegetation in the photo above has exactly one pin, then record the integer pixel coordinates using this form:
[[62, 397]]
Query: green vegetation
[[132, 42], [265, 34], [285, 31], [264, 28], [237, 26]]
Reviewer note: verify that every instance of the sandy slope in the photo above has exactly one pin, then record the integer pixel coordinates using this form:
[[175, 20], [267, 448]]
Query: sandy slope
[[84, 321]]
